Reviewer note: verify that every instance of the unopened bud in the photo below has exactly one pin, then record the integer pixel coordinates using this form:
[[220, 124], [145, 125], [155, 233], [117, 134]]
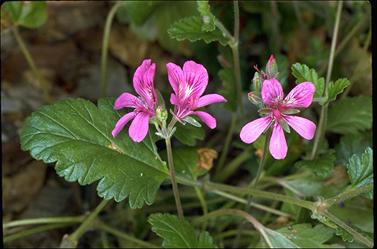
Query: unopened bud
[[271, 67], [253, 98], [161, 114]]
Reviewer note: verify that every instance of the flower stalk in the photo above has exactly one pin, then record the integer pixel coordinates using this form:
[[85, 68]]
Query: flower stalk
[[105, 46], [323, 118], [173, 178], [30, 61]]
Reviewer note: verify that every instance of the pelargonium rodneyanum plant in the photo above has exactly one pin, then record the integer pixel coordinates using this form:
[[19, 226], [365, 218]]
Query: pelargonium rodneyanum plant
[[117, 142]]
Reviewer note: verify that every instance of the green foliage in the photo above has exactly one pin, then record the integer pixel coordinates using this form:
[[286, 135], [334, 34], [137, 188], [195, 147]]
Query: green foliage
[[352, 144], [190, 28], [360, 170], [275, 239], [136, 12], [151, 20], [76, 135], [27, 14], [188, 134], [363, 219], [337, 87], [306, 236], [178, 233], [229, 91], [303, 73], [350, 115], [207, 17], [322, 166]]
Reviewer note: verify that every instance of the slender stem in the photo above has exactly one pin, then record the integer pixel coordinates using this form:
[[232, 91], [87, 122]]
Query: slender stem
[[225, 150], [323, 118], [42, 82], [233, 212], [202, 200], [256, 205], [47, 220], [173, 178], [356, 235], [74, 237], [34, 230], [349, 194], [203, 203], [232, 167], [105, 45], [259, 194], [253, 183], [124, 236], [235, 52]]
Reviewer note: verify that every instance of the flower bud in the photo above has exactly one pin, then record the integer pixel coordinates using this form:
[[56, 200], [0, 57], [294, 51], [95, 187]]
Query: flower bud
[[161, 114], [255, 99], [271, 67]]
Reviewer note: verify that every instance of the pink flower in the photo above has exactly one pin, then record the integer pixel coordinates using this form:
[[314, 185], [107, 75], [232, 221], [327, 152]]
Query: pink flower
[[144, 104], [189, 85], [278, 109]]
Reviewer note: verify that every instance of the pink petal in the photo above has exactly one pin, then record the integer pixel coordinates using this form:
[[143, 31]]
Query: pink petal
[[271, 91], [278, 145], [126, 100], [173, 99], [122, 122], [301, 96], [175, 76], [210, 99], [143, 80], [252, 130], [139, 127], [302, 126], [196, 76], [208, 119]]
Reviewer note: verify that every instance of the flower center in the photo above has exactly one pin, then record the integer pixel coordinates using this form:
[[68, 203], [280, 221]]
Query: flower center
[[276, 114]]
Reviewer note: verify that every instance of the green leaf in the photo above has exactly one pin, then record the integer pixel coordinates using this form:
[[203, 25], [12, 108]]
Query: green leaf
[[188, 134], [322, 166], [346, 211], [76, 135], [350, 115], [151, 19], [28, 14], [352, 144], [192, 121], [337, 88], [306, 236], [277, 240], [229, 92], [190, 28], [136, 12], [360, 170], [178, 233], [208, 18], [303, 73]]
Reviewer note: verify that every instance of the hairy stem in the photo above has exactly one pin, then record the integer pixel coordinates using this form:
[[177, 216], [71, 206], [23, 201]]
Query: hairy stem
[[323, 118], [105, 45], [253, 183], [47, 220], [88, 222], [173, 178], [356, 235], [349, 194], [41, 81], [34, 230], [251, 204]]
